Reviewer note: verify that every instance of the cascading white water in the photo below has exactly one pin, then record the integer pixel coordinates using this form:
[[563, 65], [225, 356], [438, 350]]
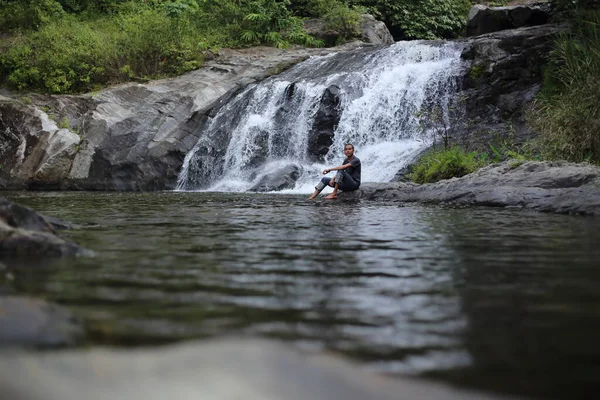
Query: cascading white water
[[384, 96]]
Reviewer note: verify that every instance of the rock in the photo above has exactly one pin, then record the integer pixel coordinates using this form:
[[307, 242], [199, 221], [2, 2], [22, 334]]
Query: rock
[[374, 32], [482, 19], [211, 370], [557, 187], [33, 148], [23, 232], [282, 178], [370, 31], [326, 121], [36, 323], [504, 77], [129, 137], [320, 30]]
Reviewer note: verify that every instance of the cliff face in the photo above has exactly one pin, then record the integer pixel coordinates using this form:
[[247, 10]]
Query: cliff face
[[136, 136], [129, 137]]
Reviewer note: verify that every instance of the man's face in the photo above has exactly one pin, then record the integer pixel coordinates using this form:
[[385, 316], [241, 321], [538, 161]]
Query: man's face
[[348, 151]]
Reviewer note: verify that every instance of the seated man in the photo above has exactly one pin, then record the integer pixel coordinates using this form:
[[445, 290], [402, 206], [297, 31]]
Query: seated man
[[347, 178]]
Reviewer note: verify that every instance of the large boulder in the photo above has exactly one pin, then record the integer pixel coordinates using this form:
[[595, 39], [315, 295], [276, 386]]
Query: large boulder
[[370, 31], [483, 19], [282, 178], [374, 31], [23, 232], [36, 323], [503, 77], [557, 187]]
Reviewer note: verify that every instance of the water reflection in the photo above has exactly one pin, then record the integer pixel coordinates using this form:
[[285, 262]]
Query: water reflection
[[488, 298], [528, 289]]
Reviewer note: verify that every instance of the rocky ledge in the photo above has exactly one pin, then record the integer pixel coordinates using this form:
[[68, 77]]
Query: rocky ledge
[[558, 187]]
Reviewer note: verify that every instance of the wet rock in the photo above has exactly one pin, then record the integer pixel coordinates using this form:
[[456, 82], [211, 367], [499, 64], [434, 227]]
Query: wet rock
[[483, 19], [557, 187], [211, 370], [326, 121], [283, 178], [23, 232], [36, 323]]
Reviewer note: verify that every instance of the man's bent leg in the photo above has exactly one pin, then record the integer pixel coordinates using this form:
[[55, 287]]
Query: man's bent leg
[[320, 186], [347, 183]]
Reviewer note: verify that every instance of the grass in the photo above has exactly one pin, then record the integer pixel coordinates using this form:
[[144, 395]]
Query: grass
[[567, 112]]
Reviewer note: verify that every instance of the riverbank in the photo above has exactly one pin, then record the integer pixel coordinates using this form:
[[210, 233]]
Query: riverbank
[[557, 187]]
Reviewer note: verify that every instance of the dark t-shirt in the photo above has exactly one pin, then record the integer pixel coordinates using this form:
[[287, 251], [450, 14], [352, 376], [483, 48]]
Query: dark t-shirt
[[354, 170]]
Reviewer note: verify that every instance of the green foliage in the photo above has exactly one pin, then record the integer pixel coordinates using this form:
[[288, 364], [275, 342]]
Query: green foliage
[[70, 55], [26, 14], [65, 46], [444, 164], [63, 124], [566, 114], [420, 19], [344, 20]]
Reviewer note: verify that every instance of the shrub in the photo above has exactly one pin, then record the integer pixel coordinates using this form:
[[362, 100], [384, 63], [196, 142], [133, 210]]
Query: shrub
[[28, 14], [444, 164], [420, 19], [566, 113], [71, 55]]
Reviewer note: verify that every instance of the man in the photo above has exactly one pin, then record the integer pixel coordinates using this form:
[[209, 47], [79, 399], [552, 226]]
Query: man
[[347, 178]]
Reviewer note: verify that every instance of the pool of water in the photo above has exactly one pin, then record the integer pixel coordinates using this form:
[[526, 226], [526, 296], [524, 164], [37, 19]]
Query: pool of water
[[488, 298]]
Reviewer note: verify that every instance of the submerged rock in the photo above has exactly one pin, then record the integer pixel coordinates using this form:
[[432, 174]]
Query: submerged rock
[[24, 232], [210, 370], [557, 187], [36, 323]]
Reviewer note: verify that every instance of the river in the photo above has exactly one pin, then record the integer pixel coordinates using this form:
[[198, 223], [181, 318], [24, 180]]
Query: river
[[502, 300]]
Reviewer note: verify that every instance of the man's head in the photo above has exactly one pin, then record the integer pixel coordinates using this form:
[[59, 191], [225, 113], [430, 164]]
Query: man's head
[[349, 150]]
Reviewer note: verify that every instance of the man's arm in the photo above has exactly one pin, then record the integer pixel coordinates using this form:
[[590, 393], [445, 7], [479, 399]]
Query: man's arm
[[341, 167]]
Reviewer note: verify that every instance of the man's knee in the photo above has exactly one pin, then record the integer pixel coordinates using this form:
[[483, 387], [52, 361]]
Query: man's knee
[[324, 182]]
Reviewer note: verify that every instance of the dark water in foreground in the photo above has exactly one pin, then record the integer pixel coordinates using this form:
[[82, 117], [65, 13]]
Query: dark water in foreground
[[494, 299]]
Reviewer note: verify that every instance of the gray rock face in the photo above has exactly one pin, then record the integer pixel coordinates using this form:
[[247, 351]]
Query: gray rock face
[[557, 187], [283, 178], [505, 75], [211, 370], [482, 19], [36, 323], [23, 232], [129, 137]]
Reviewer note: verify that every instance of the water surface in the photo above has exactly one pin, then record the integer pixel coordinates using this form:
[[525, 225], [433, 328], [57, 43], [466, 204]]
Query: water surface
[[488, 298]]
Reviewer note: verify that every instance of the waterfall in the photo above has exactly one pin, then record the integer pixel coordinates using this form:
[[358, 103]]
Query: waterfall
[[379, 99]]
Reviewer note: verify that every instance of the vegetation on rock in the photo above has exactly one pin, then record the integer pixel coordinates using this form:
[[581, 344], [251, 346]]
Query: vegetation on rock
[[567, 111]]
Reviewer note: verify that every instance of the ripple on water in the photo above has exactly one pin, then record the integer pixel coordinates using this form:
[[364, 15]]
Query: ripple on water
[[478, 296]]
